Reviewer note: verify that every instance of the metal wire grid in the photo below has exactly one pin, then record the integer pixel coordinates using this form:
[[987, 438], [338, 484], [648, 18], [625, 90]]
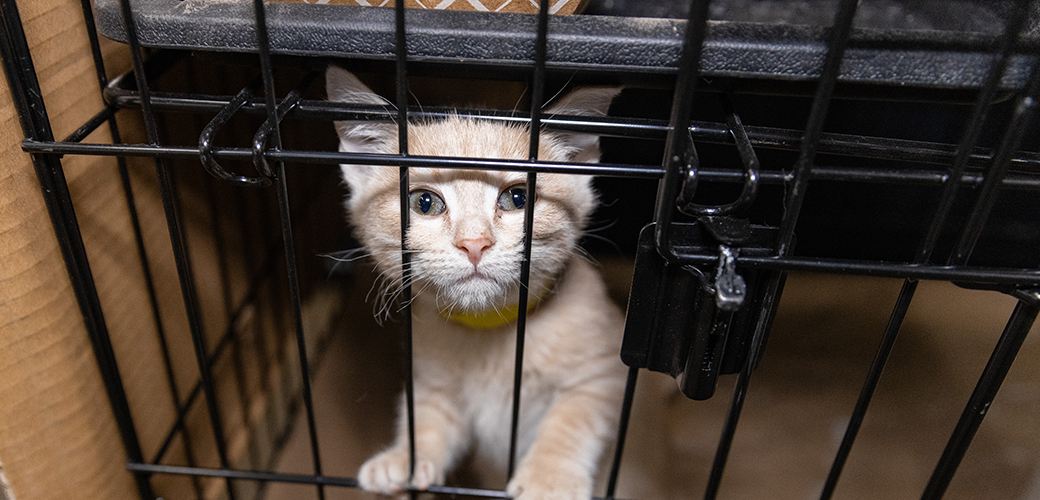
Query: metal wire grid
[[680, 161]]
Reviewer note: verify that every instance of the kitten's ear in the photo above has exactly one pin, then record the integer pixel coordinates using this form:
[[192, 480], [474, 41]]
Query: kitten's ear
[[358, 136], [583, 101]]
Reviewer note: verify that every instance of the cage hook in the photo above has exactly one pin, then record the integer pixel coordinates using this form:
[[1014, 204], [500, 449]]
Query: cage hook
[[750, 164], [730, 288], [209, 162], [264, 133]]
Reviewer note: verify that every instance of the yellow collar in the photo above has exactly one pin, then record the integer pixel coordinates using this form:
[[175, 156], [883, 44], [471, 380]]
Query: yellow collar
[[489, 319], [497, 317]]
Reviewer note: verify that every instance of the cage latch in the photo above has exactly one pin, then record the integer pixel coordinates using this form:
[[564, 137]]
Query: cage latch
[[694, 318], [730, 288]]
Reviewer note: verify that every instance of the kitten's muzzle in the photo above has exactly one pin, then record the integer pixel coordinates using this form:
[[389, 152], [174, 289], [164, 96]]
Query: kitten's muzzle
[[474, 248]]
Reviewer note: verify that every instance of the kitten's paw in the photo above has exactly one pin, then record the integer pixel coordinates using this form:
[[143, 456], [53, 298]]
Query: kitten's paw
[[545, 483], [426, 474], [387, 473]]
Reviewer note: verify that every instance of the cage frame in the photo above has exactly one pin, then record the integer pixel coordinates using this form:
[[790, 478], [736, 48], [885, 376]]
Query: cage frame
[[681, 132]]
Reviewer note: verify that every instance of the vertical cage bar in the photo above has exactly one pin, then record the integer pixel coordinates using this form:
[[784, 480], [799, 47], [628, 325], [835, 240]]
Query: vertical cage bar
[[987, 95], [248, 246], [729, 430], [1025, 108], [237, 362], [619, 447], [924, 253], [267, 70], [179, 243], [836, 44], [146, 268], [839, 36], [680, 153], [537, 94], [978, 404], [28, 99], [906, 294], [401, 79], [223, 266], [774, 288]]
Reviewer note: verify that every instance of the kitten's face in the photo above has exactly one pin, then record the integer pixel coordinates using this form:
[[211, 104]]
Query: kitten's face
[[466, 226]]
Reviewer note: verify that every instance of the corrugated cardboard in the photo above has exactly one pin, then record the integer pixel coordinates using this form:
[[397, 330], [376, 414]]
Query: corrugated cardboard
[[58, 438], [58, 435]]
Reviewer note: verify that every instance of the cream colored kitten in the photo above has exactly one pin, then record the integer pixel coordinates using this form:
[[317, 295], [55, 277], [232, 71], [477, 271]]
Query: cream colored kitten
[[466, 233]]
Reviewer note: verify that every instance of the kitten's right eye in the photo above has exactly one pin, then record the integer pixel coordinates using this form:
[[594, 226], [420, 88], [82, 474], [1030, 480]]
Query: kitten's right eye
[[426, 203]]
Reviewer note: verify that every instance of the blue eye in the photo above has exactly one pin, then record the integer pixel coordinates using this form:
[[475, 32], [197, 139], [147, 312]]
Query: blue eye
[[513, 198], [426, 202]]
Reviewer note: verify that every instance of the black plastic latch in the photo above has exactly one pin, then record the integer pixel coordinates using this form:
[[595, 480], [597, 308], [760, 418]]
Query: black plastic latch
[[695, 322]]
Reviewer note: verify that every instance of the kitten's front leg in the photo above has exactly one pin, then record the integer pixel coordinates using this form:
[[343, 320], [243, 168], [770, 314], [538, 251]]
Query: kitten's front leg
[[562, 461], [439, 439]]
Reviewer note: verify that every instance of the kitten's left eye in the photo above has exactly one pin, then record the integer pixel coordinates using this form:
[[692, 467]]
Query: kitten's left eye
[[426, 203], [513, 198]]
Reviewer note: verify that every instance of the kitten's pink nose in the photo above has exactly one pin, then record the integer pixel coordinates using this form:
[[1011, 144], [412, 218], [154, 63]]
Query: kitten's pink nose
[[474, 248]]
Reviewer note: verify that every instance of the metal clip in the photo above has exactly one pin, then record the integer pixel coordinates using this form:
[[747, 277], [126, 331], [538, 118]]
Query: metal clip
[[750, 164], [218, 122], [730, 288]]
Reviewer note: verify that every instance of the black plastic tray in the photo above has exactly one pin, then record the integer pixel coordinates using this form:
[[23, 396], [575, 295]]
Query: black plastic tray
[[621, 45]]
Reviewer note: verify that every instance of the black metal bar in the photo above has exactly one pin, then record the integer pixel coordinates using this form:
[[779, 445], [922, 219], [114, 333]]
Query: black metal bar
[[836, 44], [729, 430], [906, 294], [614, 126], [949, 192], [680, 157], [978, 404], [190, 298], [276, 477], [263, 134], [1016, 20], [710, 132], [91, 125], [749, 161], [401, 81], [218, 351], [219, 246], [838, 40], [273, 121], [156, 316], [218, 122], [179, 243], [248, 246], [28, 100], [124, 177], [537, 95], [767, 137], [261, 476], [1025, 108], [294, 293], [774, 289], [901, 176], [619, 447], [880, 269]]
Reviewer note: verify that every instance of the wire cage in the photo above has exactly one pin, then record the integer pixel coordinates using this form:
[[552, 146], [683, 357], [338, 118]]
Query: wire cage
[[865, 142]]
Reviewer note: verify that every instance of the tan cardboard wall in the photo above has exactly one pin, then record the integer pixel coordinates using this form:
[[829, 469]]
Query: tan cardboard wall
[[58, 438]]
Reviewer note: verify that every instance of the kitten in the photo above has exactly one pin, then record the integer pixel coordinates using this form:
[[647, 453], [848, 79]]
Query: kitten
[[466, 239]]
